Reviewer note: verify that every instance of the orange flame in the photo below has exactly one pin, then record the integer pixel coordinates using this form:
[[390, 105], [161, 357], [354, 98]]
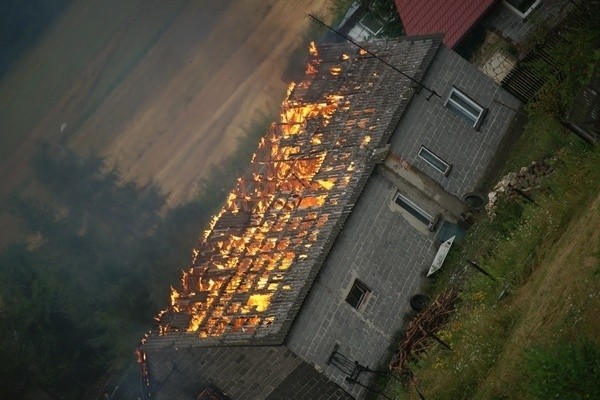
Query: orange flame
[[271, 218], [312, 49], [310, 69]]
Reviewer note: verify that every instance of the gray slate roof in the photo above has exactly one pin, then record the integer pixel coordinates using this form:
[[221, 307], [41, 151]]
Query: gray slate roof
[[272, 373]]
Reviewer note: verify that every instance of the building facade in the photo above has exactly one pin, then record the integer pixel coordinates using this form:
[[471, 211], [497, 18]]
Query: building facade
[[513, 20], [300, 285], [515, 23]]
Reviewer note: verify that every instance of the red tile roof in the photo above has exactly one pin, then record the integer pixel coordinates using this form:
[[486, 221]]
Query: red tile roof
[[454, 18]]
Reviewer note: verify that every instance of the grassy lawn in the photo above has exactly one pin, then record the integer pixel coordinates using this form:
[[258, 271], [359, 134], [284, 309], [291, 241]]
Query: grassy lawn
[[533, 332]]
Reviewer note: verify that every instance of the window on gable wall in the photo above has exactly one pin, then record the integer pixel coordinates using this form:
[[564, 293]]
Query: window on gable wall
[[460, 104], [416, 211], [436, 162], [358, 295]]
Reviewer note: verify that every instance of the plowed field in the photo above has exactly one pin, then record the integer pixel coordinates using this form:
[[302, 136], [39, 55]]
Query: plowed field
[[161, 88]]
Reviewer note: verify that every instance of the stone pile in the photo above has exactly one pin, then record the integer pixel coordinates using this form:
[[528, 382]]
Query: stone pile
[[519, 185]]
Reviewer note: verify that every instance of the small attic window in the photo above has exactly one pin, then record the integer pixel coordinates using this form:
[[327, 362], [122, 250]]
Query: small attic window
[[522, 7], [358, 295]]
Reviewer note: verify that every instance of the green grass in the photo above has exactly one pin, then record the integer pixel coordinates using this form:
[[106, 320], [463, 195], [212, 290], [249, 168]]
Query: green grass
[[556, 370], [543, 136]]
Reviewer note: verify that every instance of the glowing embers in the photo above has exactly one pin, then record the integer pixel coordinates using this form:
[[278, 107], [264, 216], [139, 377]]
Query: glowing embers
[[312, 49], [313, 236], [335, 71], [310, 69], [211, 225], [275, 221], [287, 260], [244, 324], [312, 201], [344, 182], [260, 301], [327, 183], [316, 139], [216, 306], [174, 299], [308, 167], [365, 141], [287, 151], [294, 114]]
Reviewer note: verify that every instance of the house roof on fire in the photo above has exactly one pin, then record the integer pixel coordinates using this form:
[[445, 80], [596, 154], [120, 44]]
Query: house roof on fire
[[256, 262], [454, 18]]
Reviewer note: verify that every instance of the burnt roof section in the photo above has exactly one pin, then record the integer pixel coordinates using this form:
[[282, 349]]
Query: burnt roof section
[[256, 262], [251, 372], [453, 18]]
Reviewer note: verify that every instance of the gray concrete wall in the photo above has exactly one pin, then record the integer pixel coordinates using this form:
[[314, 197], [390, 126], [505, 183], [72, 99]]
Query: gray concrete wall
[[429, 123], [382, 249], [515, 29]]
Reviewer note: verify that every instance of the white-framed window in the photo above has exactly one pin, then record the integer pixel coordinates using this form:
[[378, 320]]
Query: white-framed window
[[460, 104], [371, 23], [358, 295], [414, 210], [436, 162], [522, 7]]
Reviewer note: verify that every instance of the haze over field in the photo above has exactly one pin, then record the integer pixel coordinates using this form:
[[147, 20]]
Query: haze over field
[[163, 89]]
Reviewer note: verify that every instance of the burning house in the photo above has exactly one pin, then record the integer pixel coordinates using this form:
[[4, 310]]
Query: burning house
[[297, 287]]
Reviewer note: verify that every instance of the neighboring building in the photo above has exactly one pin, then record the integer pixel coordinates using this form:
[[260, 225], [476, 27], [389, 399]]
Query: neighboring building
[[485, 24], [515, 20], [453, 18], [510, 19], [357, 24], [303, 279], [362, 24]]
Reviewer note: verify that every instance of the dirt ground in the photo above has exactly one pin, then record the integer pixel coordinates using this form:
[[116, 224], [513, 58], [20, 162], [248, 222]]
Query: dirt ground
[[162, 89]]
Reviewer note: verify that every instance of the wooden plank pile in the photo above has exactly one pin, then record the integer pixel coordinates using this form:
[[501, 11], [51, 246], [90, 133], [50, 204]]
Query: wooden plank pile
[[420, 332]]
